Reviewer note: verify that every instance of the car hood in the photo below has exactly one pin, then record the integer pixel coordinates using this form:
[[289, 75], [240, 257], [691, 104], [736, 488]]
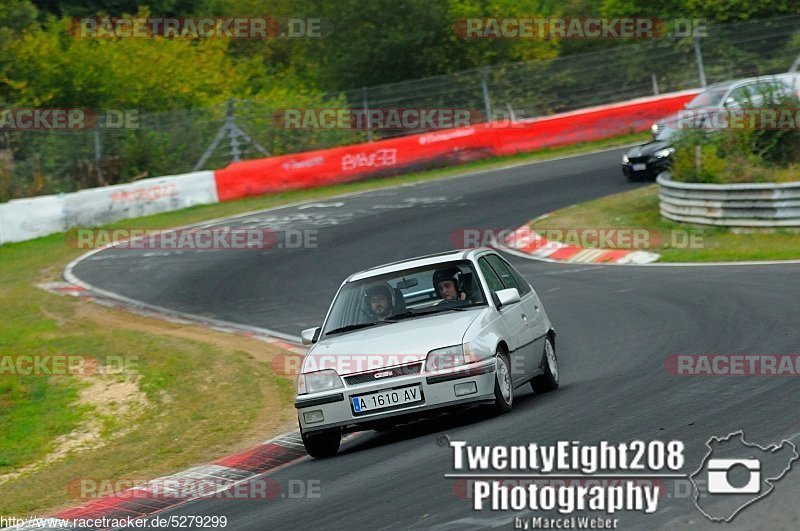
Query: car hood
[[390, 344], [645, 150]]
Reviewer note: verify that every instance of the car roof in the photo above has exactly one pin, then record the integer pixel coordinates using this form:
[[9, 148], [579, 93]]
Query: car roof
[[747, 80], [419, 261]]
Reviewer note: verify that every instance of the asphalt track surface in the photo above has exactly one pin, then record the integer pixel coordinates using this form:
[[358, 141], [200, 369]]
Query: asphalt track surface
[[616, 326]]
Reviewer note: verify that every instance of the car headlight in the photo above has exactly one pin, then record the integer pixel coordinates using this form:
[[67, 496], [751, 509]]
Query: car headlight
[[450, 357], [625, 159], [661, 153], [445, 358], [314, 382], [655, 128]]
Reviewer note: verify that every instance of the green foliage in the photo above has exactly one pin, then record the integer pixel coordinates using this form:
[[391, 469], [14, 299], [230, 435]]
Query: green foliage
[[51, 68], [698, 159], [179, 87]]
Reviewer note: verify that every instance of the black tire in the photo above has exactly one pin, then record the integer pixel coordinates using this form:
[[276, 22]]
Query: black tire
[[322, 444], [549, 380], [503, 390]]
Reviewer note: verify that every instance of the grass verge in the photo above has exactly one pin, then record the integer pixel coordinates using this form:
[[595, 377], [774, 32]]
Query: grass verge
[[190, 395], [676, 242]]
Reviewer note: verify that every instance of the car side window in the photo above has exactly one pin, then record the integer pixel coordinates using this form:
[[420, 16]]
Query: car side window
[[738, 97], [500, 268], [492, 280], [522, 284]]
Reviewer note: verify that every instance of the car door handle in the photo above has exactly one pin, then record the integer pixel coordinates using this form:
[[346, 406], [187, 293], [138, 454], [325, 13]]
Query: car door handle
[[536, 307], [525, 318]]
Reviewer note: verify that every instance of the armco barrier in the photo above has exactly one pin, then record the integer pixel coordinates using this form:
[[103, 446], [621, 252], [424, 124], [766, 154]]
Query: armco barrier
[[594, 123], [730, 205], [343, 164], [25, 219], [328, 166]]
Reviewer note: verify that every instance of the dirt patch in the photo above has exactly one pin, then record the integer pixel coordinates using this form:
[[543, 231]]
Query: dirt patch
[[274, 418], [114, 402]]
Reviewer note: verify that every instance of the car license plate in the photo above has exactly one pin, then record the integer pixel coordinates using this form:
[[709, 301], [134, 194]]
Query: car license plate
[[639, 167], [384, 399]]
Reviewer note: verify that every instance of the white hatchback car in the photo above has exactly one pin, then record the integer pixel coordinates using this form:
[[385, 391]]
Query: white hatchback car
[[410, 338]]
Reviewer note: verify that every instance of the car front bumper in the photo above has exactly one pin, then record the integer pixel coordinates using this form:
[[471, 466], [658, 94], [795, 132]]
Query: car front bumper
[[651, 170], [437, 391]]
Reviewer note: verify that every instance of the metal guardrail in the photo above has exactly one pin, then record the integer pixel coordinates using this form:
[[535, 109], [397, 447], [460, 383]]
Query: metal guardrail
[[730, 205]]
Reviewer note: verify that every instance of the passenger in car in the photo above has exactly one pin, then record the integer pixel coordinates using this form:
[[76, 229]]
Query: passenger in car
[[446, 285]]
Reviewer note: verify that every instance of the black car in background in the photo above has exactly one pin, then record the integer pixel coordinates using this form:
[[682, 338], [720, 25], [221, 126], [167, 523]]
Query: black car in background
[[648, 160]]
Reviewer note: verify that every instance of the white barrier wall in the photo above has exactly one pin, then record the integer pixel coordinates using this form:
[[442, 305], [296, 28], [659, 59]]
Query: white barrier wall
[[25, 219], [98, 206]]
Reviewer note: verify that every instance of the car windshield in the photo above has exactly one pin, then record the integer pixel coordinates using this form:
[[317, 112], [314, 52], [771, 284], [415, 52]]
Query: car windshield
[[709, 98], [667, 132], [407, 294]]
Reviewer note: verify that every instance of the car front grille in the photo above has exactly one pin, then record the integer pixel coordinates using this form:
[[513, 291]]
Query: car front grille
[[403, 370], [638, 160]]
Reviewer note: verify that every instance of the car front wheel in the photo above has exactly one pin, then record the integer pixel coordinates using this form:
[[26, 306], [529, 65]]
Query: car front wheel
[[503, 387], [322, 444], [549, 380]]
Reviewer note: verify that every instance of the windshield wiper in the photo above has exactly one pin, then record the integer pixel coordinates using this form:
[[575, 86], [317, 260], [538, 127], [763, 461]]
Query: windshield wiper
[[467, 307], [409, 315], [350, 328]]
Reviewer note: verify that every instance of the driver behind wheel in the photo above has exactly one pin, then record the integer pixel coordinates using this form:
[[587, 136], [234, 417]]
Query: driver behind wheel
[[446, 285], [379, 301]]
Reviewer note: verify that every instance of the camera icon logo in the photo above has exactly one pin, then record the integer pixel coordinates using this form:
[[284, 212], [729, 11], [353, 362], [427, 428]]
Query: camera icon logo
[[735, 474], [718, 476]]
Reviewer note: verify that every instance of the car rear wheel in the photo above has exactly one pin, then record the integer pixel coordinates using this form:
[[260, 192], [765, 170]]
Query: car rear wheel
[[503, 386], [549, 380], [323, 443]]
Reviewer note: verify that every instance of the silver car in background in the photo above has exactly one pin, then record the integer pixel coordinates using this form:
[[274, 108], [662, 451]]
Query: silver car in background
[[729, 95], [411, 338]]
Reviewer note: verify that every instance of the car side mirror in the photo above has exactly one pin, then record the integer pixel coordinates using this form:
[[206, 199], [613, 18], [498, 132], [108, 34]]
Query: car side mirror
[[310, 335], [504, 297]]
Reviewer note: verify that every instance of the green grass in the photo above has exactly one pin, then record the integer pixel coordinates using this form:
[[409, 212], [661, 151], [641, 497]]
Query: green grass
[[205, 396], [204, 400], [639, 209], [34, 411]]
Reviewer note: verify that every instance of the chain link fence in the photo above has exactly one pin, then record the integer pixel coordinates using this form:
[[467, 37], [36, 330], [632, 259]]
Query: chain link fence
[[34, 163]]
